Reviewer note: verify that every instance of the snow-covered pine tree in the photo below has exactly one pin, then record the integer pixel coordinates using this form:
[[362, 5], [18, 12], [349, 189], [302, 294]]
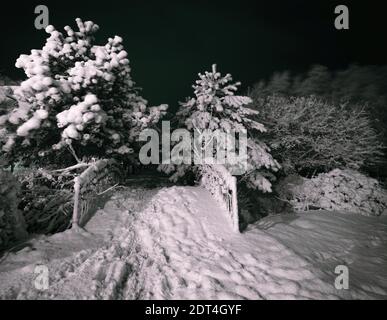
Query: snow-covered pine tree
[[78, 96], [217, 107]]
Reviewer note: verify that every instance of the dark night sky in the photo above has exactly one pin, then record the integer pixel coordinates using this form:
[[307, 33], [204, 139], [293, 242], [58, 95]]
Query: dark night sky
[[169, 42]]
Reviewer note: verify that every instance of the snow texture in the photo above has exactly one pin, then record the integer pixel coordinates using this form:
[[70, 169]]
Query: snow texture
[[179, 246]]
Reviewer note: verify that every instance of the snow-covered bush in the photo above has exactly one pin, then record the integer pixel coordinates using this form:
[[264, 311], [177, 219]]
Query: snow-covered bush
[[217, 107], [338, 190], [307, 135], [77, 94], [12, 227]]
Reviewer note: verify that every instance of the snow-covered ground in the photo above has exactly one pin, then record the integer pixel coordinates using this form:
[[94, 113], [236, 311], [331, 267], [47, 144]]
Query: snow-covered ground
[[175, 243]]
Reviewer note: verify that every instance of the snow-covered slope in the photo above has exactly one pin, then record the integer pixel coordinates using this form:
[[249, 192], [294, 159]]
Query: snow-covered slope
[[328, 239], [181, 246]]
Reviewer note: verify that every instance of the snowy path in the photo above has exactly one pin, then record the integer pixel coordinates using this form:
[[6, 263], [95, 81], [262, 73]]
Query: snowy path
[[196, 255], [180, 246]]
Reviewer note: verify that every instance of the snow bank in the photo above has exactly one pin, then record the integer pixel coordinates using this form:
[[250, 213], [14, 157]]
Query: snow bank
[[328, 239]]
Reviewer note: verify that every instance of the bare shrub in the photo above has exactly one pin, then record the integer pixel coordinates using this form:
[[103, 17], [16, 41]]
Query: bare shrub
[[308, 135]]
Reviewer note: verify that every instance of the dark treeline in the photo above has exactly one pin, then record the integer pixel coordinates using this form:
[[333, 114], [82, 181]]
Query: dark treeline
[[6, 81], [357, 86]]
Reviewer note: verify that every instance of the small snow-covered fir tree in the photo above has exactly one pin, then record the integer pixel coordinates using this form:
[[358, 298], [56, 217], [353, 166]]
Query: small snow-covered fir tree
[[217, 107], [78, 96]]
